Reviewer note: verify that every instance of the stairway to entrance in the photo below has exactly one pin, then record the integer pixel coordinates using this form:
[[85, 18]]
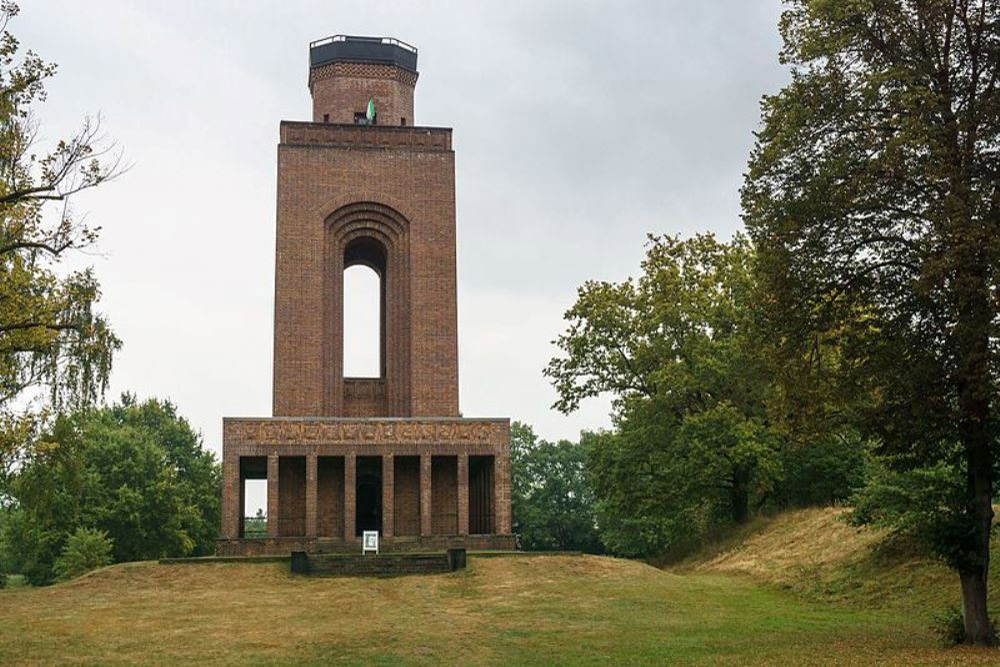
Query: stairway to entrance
[[377, 565]]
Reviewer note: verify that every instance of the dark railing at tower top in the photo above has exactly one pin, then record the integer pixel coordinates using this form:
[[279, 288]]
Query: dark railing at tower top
[[351, 48]]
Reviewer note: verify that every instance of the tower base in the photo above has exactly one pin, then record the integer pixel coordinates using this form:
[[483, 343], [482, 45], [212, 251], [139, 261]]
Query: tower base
[[422, 483]]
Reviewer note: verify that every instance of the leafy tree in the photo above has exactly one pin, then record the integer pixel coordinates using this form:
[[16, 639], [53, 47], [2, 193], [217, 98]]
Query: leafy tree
[[551, 498], [873, 196], [135, 471], [678, 350], [85, 550], [53, 345]]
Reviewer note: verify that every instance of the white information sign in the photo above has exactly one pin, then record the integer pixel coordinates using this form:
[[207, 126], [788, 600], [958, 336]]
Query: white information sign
[[369, 542]]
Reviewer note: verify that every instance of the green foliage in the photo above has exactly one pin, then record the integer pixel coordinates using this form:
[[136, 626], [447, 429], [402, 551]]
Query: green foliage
[[919, 503], [551, 498], [679, 351], [31, 547], [136, 471], [255, 526], [85, 550], [823, 471], [949, 626], [52, 341], [644, 503]]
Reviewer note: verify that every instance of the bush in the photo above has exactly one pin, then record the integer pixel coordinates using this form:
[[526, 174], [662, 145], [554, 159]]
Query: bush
[[85, 550], [3, 580], [949, 626]]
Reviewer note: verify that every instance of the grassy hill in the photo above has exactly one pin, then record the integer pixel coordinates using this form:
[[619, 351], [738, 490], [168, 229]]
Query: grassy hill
[[815, 553], [508, 610]]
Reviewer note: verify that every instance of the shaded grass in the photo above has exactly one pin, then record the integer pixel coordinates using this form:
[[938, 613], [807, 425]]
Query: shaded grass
[[553, 610]]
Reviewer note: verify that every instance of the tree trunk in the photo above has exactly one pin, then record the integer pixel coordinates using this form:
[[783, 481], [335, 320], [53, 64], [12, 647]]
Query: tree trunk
[[978, 629], [739, 499], [974, 396]]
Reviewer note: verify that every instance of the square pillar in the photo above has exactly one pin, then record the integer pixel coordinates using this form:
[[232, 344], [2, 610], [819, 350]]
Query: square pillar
[[311, 473], [388, 495], [350, 493], [232, 508], [463, 494], [501, 485], [272, 496], [425, 494]]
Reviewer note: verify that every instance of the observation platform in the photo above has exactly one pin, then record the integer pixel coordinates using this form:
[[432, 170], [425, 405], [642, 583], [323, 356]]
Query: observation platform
[[358, 49]]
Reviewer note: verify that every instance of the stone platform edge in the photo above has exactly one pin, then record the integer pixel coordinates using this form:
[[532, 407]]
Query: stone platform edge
[[480, 553], [282, 546]]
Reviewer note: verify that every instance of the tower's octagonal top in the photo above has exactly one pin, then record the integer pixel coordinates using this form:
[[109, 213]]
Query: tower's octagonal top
[[362, 80], [356, 49]]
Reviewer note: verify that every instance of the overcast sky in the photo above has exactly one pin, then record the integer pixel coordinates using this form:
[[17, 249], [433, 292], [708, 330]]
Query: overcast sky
[[579, 127]]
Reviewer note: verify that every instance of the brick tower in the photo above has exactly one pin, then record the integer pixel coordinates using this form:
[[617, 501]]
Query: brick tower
[[387, 453]]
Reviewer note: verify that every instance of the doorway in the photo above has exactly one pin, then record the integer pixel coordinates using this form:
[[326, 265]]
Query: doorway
[[368, 494]]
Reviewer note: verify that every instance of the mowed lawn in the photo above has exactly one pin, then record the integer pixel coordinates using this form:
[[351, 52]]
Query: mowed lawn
[[507, 610]]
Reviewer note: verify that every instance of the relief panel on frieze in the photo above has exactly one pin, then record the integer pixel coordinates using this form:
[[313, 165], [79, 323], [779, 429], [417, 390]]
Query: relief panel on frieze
[[276, 432]]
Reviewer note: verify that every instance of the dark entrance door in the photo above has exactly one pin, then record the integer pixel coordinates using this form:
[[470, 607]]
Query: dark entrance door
[[368, 494]]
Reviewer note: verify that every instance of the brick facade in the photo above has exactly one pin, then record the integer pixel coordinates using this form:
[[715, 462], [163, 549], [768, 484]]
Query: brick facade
[[391, 453], [341, 90]]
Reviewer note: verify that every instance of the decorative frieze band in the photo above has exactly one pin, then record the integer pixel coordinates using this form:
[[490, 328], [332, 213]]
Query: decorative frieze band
[[349, 432]]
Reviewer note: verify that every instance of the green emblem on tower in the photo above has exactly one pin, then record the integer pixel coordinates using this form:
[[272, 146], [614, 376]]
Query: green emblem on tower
[[370, 115]]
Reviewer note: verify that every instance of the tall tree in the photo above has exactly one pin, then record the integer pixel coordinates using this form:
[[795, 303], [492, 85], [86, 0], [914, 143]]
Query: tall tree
[[54, 348], [677, 349], [873, 196]]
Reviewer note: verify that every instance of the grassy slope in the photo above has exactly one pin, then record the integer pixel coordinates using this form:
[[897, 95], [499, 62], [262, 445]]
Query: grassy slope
[[544, 610], [814, 552]]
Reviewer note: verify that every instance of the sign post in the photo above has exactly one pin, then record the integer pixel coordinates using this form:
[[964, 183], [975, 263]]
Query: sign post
[[369, 542]]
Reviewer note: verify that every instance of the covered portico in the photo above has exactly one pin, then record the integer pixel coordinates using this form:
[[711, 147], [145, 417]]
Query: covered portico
[[419, 482]]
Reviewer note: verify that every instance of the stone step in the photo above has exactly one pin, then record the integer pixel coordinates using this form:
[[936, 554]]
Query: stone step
[[380, 565]]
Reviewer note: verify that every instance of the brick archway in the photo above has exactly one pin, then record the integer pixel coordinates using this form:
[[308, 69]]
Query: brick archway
[[377, 235]]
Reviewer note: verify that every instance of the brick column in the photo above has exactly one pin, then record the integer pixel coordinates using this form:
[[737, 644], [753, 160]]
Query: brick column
[[232, 508], [388, 496], [272, 495], [311, 462], [502, 490], [425, 494], [463, 494], [350, 491]]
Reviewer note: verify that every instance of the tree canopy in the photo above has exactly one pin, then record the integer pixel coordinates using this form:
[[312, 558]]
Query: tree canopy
[[136, 471], [678, 351]]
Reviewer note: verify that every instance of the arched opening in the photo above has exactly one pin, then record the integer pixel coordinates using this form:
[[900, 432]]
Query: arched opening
[[362, 238], [364, 309]]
